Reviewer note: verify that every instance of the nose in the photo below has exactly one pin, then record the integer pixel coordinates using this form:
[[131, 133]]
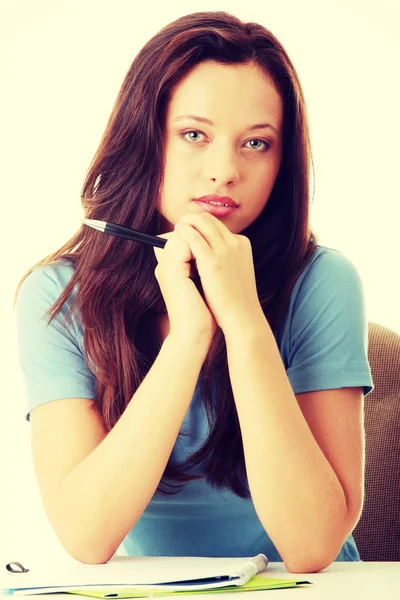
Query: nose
[[222, 165]]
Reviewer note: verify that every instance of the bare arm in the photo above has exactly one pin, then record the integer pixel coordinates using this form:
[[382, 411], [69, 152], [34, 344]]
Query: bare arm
[[310, 446], [94, 484]]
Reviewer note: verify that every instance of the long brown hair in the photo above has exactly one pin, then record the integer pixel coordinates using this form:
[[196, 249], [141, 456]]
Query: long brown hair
[[117, 292]]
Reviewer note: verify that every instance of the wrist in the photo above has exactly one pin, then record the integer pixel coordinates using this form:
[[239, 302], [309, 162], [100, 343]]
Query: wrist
[[196, 344], [246, 327]]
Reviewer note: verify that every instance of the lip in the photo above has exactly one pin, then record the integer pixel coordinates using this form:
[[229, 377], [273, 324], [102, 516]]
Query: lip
[[217, 211], [217, 198]]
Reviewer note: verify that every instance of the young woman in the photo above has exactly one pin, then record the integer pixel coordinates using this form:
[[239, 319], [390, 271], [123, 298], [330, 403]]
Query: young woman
[[220, 419]]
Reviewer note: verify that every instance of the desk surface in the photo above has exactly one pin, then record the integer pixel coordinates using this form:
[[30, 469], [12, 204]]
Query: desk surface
[[366, 580]]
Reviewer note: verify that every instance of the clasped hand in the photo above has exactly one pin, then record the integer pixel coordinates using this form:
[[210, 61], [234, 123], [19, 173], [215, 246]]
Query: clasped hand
[[225, 266]]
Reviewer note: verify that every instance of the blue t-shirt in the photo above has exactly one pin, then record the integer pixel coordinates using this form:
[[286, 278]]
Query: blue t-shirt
[[323, 342]]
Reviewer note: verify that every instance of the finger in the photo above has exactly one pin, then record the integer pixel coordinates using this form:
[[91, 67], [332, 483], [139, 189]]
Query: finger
[[182, 251], [222, 229], [207, 227], [199, 247], [176, 248]]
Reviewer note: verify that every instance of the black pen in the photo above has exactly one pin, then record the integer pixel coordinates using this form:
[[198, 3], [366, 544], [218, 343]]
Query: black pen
[[125, 232], [132, 234]]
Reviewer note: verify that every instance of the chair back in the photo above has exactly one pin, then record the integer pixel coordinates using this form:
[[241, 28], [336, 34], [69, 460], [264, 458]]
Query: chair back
[[377, 533]]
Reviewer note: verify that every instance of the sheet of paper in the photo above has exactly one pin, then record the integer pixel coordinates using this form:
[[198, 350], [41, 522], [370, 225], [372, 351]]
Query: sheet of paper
[[122, 570], [256, 583]]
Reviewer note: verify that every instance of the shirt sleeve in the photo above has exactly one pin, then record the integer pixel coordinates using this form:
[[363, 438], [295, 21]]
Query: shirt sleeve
[[50, 357], [329, 328]]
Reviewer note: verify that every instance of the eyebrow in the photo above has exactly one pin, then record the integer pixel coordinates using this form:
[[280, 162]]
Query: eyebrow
[[208, 122]]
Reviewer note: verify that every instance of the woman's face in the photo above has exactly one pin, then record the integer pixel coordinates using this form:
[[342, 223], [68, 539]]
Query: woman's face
[[228, 156]]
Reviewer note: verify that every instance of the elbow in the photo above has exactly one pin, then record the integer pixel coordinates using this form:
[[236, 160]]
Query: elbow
[[310, 564], [90, 554], [87, 540], [86, 544], [85, 533], [307, 566], [305, 559], [90, 559]]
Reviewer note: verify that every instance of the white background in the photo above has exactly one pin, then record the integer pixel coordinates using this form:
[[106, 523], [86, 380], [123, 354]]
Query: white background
[[62, 64]]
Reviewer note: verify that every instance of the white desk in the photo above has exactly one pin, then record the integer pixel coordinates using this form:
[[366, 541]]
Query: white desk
[[341, 580]]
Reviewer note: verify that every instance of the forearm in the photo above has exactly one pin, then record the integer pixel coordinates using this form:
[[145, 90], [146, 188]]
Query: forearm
[[102, 497], [296, 493]]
